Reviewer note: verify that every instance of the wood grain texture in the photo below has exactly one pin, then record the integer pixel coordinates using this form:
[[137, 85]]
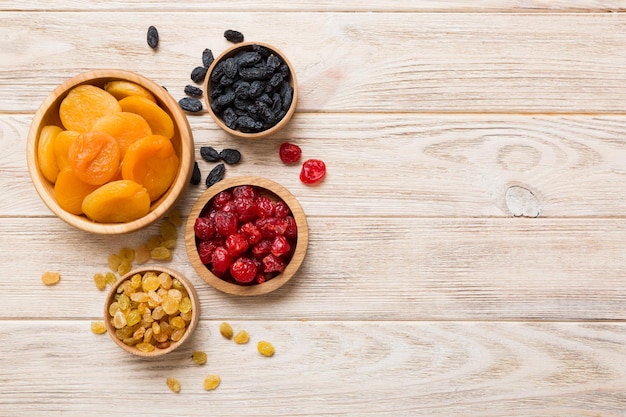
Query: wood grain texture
[[404, 62], [322, 368]]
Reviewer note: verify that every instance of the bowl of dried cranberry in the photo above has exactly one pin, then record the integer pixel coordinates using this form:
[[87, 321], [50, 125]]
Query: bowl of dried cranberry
[[251, 90], [246, 236]]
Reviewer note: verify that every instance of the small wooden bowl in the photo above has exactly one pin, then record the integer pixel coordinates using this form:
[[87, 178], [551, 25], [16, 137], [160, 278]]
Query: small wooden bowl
[[48, 114], [208, 88], [272, 189], [191, 326]]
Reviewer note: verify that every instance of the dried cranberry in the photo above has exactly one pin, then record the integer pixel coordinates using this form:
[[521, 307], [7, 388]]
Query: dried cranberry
[[289, 153], [205, 251], [237, 244], [226, 223], [221, 259], [261, 249], [244, 270], [291, 232], [245, 191], [221, 198], [245, 209], [281, 209], [204, 227], [271, 227], [280, 246], [264, 207], [260, 278], [313, 170], [272, 263], [252, 233]]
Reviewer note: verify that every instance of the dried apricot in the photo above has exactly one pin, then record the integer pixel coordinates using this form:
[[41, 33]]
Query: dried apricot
[[160, 122], [61, 147], [122, 88], [94, 157], [45, 152], [117, 202], [152, 162], [70, 191], [125, 127], [85, 104]]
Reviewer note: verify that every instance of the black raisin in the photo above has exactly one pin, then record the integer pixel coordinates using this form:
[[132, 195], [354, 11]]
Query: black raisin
[[230, 118], [193, 91], [233, 36], [273, 61], [248, 124], [254, 73], [287, 96], [153, 37], [242, 90], [196, 176], [256, 88], [230, 156], [274, 82], [223, 101], [216, 175], [190, 104], [218, 72], [198, 74], [230, 68], [207, 57], [261, 50], [248, 58], [226, 81], [209, 154]]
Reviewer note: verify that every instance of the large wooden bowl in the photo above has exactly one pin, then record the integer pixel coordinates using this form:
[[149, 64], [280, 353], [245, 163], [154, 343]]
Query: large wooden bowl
[[48, 114], [208, 88], [191, 326], [271, 189]]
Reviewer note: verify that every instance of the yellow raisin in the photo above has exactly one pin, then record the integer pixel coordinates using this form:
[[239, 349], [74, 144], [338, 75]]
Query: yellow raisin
[[185, 305], [135, 281], [241, 337], [226, 330], [211, 382], [100, 280], [265, 348], [177, 334], [127, 254], [50, 278], [173, 384], [177, 322], [124, 268], [170, 305], [150, 282], [114, 262], [176, 284], [133, 317], [142, 254], [161, 253], [165, 280], [174, 217], [110, 278], [168, 230], [154, 242], [199, 357], [145, 347], [98, 327], [169, 244], [119, 320]]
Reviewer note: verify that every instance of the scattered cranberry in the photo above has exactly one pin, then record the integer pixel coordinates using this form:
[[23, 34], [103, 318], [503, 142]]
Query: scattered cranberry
[[313, 170], [289, 153], [244, 270]]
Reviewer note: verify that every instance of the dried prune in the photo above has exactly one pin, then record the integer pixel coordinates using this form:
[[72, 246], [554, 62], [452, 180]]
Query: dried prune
[[193, 91], [216, 175], [198, 74], [230, 156], [196, 176], [190, 104], [152, 37], [207, 57], [233, 36], [209, 154]]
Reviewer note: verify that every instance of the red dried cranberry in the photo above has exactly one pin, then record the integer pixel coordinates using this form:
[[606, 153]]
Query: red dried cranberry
[[313, 170], [229, 207], [291, 231], [264, 207], [289, 153], [221, 198], [205, 251], [261, 249], [245, 209], [271, 227], [244, 270], [272, 263], [245, 191], [236, 244], [252, 233], [260, 278], [204, 227], [226, 223], [281, 209], [221, 259], [280, 246]]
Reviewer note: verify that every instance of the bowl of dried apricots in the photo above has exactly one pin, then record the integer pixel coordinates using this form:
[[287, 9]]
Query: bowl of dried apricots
[[110, 151]]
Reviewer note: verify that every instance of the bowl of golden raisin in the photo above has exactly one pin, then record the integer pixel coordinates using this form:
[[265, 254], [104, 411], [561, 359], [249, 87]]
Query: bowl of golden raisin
[[151, 311], [110, 151]]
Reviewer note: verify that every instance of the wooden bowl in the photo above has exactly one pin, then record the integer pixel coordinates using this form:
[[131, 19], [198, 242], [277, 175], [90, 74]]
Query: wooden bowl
[[276, 192], [208, 88], [48, 114], [195, 312]]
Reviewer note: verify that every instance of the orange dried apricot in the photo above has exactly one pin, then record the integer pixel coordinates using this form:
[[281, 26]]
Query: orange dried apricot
[[152, 162], [94, 157], [45, 152], [122, 88], [85, 104], [117, 202], [62, 145], [125, 127], [160, 122], [70, 191]]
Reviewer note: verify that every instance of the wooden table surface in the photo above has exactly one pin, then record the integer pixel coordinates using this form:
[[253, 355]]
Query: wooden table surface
[[467, 247]]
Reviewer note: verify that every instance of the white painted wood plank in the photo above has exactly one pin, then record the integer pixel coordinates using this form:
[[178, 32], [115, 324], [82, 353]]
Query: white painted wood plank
[[323, 368], [374, 62], [359, 269]]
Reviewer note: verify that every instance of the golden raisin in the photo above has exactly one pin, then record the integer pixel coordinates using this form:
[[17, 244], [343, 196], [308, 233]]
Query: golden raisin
[[211, 382], [199, 357], [226, 330], [98, 327], [265, 348], [50, 278], [100, 280], [173, 384], [242, 337]]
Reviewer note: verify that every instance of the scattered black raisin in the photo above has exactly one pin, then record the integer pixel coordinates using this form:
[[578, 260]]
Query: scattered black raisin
[[207, 57], [198, 74], [233, 36], [196, 176], [190, 104], [209, 154], [216, 175], [153, 37], [193, 91], [230, 156]]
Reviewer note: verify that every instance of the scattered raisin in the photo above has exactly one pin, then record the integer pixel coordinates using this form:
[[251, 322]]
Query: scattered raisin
[[98, 327], [193, 91], [153, 37], [265, 348], [209, 154], [211, 382], [190, 104], [226, 330], [230, 156], [50, 278], [207, 57], [173, 384], [198, 74], [233, 36], [199, 357], [216, 175], [242, 337], [196, 176]]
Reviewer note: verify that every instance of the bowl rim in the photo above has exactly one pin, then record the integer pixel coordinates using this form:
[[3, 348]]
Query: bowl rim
[[232, 50], [195, 303], [256, 289], [159, 207]]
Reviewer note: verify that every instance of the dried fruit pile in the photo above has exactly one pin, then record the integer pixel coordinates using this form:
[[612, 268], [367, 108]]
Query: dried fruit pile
[[113, 156], [245, 235]]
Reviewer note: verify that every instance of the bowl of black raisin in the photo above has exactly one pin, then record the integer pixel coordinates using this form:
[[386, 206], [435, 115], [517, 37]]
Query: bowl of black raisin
[[251, 90]]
